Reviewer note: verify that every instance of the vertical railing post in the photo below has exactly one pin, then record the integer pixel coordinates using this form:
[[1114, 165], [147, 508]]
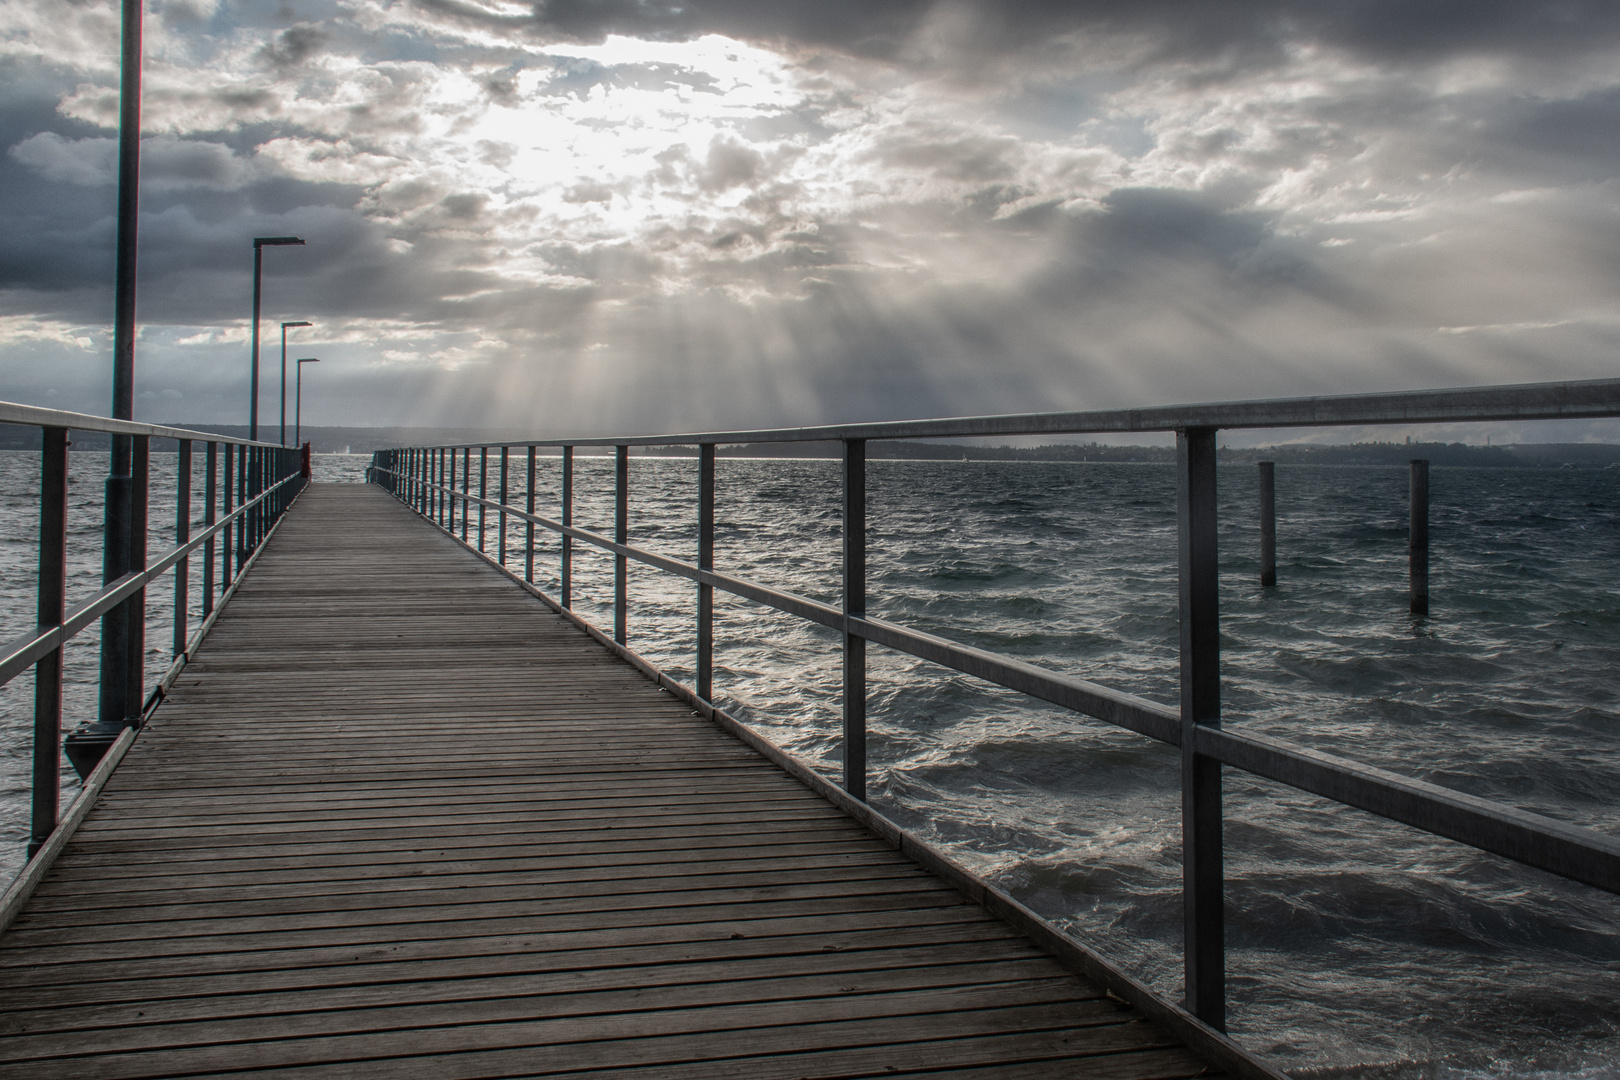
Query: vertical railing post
[[261, 512], [250, 490], [1202, 859], [450, 495], [227, 490], [182, 533], [1268, 523], [705, 595], [466, 488], [1417, 547], [266, 467], [483, 492], [528, 532], [241, 500], [210, 494], [854, 607], [501, 547], [51, 609], [140, 471], [438, 506], [566, 571], [621, 535]]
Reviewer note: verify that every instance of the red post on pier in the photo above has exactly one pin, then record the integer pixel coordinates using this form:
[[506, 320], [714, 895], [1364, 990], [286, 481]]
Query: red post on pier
[[303, 462]]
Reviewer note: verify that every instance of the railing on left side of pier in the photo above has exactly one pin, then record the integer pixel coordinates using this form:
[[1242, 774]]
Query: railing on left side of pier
[[247, 487], [425, 479]]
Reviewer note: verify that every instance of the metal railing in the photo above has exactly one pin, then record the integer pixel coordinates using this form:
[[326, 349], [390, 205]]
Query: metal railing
[[259, 483], [425, 479]]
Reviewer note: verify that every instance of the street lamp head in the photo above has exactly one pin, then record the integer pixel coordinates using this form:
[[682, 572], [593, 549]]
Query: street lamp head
[[310, 360], [275, 241], [301, 322]]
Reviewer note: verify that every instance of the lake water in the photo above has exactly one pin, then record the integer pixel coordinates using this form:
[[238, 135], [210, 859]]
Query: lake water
[[1356, 946]]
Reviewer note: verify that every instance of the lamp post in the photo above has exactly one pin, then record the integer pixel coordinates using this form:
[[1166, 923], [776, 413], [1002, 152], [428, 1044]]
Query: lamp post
[[298, 400], [259, 244], [123, 628], [284, 376]]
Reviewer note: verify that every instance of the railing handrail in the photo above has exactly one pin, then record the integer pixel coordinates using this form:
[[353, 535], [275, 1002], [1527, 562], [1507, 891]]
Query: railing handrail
[[32, 415], [1574, 400], [22, 652]]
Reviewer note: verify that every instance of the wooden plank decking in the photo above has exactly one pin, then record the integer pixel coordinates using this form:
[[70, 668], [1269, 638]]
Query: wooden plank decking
[[397, 819]]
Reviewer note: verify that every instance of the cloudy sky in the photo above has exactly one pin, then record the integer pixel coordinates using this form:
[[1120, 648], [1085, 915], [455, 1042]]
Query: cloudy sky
[[581, 216]]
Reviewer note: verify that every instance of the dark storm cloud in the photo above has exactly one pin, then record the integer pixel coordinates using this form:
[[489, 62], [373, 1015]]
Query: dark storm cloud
[[294, 45], [1581, 134], [1143, 235], [1394, 30]]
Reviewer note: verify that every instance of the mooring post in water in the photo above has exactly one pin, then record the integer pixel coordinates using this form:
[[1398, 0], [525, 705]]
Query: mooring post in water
[[528, 533], [1268, 523], [1418, 538], [1204, 943], [566, 571], [854, 607], [705, 596], [621, 535]]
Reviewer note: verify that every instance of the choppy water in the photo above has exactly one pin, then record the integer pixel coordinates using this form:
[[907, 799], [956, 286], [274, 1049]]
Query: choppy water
[[1353, 942]]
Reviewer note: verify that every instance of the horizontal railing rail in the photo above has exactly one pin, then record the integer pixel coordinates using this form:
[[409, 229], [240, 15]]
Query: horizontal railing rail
[[23, 652], [1575, 400], [32, 416], [259, 482], [425, 478]]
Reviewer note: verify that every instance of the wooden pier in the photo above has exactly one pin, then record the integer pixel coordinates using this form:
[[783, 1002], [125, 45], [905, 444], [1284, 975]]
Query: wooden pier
[[399, 819]]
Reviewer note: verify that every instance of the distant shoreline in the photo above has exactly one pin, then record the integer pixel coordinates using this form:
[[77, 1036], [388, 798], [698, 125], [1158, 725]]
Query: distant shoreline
[[1438, 454]]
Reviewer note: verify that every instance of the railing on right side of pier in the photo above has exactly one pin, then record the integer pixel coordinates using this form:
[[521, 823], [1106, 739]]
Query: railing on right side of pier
[[259, 483], [425, 479]]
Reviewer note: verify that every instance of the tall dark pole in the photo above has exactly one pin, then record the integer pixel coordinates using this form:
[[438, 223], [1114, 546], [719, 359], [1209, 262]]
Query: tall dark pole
[[298, 400], [115, 711], [253, 402], [259, 244], [284, 376]]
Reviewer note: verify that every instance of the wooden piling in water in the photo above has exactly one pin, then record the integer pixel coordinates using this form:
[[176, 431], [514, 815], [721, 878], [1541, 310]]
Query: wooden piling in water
[[1268, 523], [1418, 537]]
